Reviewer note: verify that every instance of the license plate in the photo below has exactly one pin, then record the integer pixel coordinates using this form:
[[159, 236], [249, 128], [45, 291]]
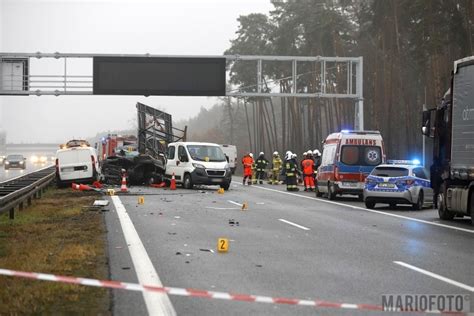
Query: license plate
[[386, 185], [215, 180], [350, 184], [67, 169]]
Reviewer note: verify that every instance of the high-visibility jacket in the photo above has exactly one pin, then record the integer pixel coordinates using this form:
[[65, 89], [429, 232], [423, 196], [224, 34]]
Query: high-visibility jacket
[[277, 163], [261, 163], [290, 168], [308, 167], [247, 162]]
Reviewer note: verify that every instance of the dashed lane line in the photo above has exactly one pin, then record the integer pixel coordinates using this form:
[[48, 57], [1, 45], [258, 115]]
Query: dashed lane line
[[367, 210], [436, 276]]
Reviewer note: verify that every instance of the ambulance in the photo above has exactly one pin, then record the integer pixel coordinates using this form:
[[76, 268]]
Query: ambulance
[[348, 158]]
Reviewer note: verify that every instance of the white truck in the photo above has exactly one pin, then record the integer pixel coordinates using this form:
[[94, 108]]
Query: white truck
[[198, 163], [230, 151]]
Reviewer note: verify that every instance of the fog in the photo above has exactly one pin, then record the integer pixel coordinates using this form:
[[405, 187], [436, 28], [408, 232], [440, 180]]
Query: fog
[[177, 27]]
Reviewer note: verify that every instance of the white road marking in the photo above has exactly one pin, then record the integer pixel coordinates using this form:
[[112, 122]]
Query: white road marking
[[370, 211], [293, 224], [235, 203], [222, 208], [156, 303], [436, 276]]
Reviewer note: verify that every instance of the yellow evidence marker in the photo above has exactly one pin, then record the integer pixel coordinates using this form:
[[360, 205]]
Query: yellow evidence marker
[[245, 206], [220, 191], [110, 192], [141, 200], [222, 245]]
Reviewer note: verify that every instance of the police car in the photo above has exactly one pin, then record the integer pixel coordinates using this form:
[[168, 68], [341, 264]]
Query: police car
[[398, 182]]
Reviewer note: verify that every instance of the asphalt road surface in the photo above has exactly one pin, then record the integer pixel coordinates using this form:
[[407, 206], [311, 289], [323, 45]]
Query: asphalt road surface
[[290, 245]]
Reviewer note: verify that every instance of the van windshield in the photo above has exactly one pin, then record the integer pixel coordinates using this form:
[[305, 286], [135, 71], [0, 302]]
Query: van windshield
[[361, 155], [206, 153]]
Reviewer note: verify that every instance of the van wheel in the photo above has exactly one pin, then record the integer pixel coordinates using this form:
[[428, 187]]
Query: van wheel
[[225, 186], [187, 182], [331, 191], [419, 203], [318, 193]]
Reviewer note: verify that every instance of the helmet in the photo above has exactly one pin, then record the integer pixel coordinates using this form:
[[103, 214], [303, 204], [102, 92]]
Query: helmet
[[275, 153], [251, 155], [288, 153], [261, 153], [316, 152], [310, 153], [305, 153], [294, 156]]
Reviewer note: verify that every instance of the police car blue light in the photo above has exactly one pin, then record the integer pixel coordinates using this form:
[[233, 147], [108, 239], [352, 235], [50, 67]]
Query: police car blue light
[[398, 182]]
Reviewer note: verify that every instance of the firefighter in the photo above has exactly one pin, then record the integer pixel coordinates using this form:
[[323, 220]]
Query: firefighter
[[254, 170], [247, 162], [261, 165], [307, 165], [317, 159], [276, 168], [291, 173]]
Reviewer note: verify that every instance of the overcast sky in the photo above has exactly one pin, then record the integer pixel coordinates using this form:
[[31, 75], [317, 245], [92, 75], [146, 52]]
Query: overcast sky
[[178, 27]]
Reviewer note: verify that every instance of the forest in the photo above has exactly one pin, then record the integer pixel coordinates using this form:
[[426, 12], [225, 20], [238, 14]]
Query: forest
[[408, 48]]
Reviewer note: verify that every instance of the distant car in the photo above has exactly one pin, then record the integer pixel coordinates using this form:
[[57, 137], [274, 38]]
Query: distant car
[[38, 159], [398, 182], [15, 162]]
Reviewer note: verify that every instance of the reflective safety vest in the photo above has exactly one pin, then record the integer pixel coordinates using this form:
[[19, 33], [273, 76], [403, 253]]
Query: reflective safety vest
[[290, 168], [261, 164], [277, 164], [308, 167]]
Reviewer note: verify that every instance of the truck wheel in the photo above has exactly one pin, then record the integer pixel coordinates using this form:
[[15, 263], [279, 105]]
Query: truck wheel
[[331, 191], [225, 186], [187, 182], [442, 209], [471, 206], [369, 204], [419, 203]]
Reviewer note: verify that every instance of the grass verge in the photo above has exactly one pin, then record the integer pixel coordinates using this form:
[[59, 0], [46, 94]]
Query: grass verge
[[54, 235]]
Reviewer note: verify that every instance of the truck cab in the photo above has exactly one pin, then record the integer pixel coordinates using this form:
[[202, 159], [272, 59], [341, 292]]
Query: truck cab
[[194, 163], [451, 126]]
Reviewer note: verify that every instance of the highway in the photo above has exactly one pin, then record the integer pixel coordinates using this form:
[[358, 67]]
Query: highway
[[289, 245]]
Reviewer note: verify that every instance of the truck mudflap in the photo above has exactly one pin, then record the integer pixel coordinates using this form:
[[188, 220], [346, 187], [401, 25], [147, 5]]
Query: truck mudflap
[[142, 169]]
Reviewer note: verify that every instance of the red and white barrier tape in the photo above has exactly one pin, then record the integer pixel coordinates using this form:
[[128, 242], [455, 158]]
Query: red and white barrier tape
[[187, 292], [182, 291]]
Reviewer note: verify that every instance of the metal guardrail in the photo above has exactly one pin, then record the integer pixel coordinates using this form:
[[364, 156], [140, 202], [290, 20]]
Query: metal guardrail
[[15, 192]]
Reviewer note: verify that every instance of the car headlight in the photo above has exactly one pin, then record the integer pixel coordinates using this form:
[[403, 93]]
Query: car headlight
[[197, 165], [34, 159], [22, 162], [7, 162], [43, 159]]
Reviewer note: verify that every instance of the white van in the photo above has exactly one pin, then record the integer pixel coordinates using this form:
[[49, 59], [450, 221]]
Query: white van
[[198, 163], [76, 164], [348, 158], [230, 151]]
